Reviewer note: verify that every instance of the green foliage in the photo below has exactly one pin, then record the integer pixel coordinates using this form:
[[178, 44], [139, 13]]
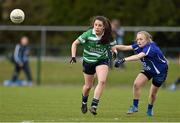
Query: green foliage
[[161, 13], [80, 12], [0, 12]]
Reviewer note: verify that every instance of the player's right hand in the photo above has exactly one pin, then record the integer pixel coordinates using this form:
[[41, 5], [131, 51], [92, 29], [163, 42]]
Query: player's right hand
[[119, 62], [73, 60]]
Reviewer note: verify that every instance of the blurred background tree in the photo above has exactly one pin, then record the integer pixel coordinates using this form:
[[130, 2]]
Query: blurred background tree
[[80, 12]]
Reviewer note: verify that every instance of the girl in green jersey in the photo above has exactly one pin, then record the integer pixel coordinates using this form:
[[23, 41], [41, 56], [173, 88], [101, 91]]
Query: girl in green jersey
[[96, 42]]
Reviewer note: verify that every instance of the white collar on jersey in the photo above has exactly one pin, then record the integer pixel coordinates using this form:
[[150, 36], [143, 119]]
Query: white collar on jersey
[[98, 37]]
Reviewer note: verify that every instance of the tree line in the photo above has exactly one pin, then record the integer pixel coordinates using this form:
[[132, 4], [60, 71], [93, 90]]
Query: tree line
[[80, 12]]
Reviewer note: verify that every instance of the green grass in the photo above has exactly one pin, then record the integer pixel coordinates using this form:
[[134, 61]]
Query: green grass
[[58, 99], [62, 103], [61, 72]]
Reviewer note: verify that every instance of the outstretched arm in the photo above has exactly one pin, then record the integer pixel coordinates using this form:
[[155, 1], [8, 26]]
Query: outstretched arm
[[135, 57], [122, 47], [130, 58]]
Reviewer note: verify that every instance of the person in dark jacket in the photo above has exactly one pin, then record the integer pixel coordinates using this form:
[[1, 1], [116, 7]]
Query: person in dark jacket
[[21, 61]]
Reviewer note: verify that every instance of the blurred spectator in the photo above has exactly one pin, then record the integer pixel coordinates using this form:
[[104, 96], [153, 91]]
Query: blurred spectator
[[21, 62], [173, 86], [118, 33]]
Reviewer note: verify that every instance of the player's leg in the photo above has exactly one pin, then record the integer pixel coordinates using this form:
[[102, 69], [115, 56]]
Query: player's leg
[[85, 91], [140, 80], [102, 72], [152, 97], [17, 69], [157, 82], [27, 72], [89, 71], [88, 84]]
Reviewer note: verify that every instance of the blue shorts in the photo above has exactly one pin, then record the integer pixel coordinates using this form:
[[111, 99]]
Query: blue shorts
[[157, 79], [90, 68]]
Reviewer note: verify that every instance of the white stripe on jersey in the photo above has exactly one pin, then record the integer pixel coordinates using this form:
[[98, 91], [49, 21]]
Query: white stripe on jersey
[[157, 71], [148, 50], [136, 48], [161, 59], [82, 40], [93, 38], [89, 59], [106, 53], [90, 53]]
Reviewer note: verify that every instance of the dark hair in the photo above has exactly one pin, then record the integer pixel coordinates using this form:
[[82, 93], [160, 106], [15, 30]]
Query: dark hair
[[107, 37]]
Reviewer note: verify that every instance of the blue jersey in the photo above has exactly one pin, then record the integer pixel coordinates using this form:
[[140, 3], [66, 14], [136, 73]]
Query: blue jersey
[[154, 62], [21, 54]]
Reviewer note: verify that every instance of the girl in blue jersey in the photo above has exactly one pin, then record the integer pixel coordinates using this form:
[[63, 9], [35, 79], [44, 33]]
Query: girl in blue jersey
[[154, 66]]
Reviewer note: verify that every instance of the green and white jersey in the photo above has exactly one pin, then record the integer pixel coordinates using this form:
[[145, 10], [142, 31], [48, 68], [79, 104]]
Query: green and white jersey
[[93, 52]]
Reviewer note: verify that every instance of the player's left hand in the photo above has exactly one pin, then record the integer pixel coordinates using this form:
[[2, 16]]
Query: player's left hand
[[114, 52], [114, 55], [73, 60], [119, 62]]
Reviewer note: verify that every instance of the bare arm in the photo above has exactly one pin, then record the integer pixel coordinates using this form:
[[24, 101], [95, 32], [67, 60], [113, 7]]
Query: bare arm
[[135, 57], [121, 47], [74, 48], [124, 47], [130, 58]]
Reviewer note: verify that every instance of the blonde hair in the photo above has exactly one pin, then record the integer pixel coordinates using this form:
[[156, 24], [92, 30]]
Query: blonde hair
[[147, 35]]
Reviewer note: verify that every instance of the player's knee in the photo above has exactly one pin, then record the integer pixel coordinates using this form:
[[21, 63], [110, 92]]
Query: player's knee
[[102, 83], [153, 96], [136, 86], [87, 87]]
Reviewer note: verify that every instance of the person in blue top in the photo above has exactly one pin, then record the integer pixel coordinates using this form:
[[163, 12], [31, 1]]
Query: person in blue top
[[155, 67], [173, 86], [21, 62]]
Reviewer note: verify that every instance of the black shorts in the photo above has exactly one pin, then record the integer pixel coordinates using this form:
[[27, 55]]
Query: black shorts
[[90, 68], [158, 79]]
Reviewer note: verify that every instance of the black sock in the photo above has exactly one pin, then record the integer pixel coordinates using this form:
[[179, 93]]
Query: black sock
[[94, 103], [136, 102], [84, 99], [150, 106]]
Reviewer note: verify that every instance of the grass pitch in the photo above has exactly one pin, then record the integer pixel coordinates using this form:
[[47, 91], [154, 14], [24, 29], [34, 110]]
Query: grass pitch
[[61, 72], [53, 104], [59, 97]]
